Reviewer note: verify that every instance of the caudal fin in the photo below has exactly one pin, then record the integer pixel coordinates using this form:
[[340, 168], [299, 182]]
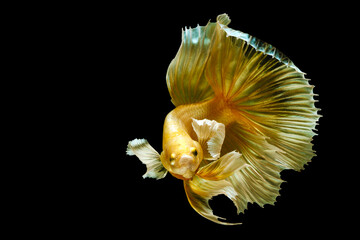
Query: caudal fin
[[270, 95]]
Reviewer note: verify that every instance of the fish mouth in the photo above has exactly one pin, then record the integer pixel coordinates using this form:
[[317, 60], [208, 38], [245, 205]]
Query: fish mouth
[[185, 168], [185, 176]]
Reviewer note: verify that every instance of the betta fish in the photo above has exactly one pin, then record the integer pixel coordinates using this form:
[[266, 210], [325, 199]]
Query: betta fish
[[243, 113]]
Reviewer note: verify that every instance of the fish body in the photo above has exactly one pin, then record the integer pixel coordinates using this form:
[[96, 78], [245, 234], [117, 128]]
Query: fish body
[[179, 135], [244, 112]]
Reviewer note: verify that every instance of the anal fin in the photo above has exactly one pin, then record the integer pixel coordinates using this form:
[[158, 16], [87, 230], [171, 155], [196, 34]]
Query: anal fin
[[199, 191]]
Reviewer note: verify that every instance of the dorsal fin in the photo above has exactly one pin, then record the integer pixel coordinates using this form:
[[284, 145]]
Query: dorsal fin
[[193, 75], [185, 76]]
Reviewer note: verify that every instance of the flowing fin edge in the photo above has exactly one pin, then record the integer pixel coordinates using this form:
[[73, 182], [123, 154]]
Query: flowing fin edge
[[256, 43], [148, 156], [222, 168], [211, 135], [199, 191]]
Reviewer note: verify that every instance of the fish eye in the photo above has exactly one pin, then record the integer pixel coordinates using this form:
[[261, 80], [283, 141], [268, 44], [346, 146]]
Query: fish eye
[[172, 159], [194, 151]]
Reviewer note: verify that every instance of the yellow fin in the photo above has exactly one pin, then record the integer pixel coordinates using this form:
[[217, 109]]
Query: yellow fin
[[240, 61], [199, 191], [148, 156], [259, 182], [253, 186], [223, 167], [268, 94], [211, 136], [184, 78]]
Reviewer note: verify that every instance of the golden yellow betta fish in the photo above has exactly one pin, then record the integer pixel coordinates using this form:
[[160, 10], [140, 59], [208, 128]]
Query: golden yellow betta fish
[[244, 112]]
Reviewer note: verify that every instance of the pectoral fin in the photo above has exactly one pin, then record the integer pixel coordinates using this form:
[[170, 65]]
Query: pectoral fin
[[223, 167], [199, 191], [211, 136], [148, 156]]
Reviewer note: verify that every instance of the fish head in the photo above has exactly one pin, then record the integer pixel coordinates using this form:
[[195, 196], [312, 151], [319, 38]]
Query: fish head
[[182, 160]]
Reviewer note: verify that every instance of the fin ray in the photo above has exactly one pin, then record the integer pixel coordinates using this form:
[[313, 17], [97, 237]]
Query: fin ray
[[184, 78], [223, 167], [259, 181], [211, 136], [199, 191], [148, 156], [269, 95]]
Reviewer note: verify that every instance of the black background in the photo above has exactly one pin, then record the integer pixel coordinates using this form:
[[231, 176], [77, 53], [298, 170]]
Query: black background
[[120, 54]]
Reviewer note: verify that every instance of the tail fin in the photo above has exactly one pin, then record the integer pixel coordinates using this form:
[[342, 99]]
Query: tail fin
[[269, 94], [274, 107]]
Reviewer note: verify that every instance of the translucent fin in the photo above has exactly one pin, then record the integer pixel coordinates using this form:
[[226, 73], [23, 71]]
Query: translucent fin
[[211, 136], [252, 187], [268, 94], [185, 80], [240, 61], [223, 167], [199, 191], [259, 181], [149, 156]]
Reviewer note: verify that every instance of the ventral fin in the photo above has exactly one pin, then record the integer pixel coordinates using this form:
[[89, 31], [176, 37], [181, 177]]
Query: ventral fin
[[148, 156], [211, 136], [199, 191], [223, 167]]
